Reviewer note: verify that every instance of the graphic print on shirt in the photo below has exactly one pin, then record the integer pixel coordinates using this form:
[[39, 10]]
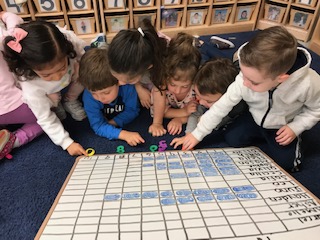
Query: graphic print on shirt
[[110, 111]]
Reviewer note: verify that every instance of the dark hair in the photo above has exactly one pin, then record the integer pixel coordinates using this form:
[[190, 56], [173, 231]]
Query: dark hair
[[132, 53], [43, 44], [182, 55], [272, 51], [215, 76], [94, 70]]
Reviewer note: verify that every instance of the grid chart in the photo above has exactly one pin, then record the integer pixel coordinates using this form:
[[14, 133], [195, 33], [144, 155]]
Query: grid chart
[[223, 193]]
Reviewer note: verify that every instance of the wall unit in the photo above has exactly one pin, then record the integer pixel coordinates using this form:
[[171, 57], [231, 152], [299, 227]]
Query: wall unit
[[298, 16], [89, 17], [79, 15], [315, 40], [197, 17]]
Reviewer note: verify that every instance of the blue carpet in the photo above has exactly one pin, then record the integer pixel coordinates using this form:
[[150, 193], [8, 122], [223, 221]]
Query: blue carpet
[[30, 182]]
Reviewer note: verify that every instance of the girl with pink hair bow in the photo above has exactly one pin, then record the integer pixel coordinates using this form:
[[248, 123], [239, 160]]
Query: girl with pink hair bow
[[12, 108], [45, 59]]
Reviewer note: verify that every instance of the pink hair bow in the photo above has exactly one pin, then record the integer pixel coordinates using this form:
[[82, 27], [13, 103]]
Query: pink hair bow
[[18, 34]]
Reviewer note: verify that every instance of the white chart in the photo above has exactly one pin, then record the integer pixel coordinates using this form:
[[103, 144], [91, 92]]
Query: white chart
[[203, 194]]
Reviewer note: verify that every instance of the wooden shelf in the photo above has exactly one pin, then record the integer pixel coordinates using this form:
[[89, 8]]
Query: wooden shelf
[[302, 28], [102, 17], [315, 40]]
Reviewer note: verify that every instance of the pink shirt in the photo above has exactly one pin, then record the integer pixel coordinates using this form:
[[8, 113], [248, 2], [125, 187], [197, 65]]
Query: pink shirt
[[10, 94]]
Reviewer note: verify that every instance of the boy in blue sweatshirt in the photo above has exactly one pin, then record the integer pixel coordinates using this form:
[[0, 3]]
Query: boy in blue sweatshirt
[[108, 106]]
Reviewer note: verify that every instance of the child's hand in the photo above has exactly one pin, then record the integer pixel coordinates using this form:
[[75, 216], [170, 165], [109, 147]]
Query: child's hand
[[191, 107], [157, 130], [175, 126], [285, 136], [132, 138], [76, 149], [144, 96], [189, 142], [176, 142]]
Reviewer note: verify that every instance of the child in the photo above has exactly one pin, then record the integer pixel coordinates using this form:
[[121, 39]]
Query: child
[[282, 92], [136, 57], [12, 108], [181, 65], [44, 57], [210, 83], [107, 105]]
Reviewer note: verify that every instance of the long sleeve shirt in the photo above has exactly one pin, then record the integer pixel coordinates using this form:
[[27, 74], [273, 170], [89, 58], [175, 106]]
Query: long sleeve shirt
[[11, 95], [123, 110], [295, 103], [35, 93]]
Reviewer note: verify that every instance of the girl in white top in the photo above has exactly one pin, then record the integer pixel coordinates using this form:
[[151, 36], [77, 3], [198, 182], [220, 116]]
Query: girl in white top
[[46, 60]]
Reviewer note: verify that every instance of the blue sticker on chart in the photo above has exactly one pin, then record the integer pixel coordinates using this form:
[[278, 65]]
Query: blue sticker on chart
[[175, 167], [186, 155], [184, 200], [112, 197], [246, 195], [161, 164], [177, 175], [148, 158], [205, 165], [194, 174], [224, 165], [148, 165], [206, 198], [210, 174], [226, 197], [168, 201], [247, 188], [190, 166], [166, 194], [172, 156], [183, 192], [220, 190], [131, 195], [201, 192], [223, 161], [205, 161], [160, 157], [229, 171], [174, 163], [149, 194], [190, 162]]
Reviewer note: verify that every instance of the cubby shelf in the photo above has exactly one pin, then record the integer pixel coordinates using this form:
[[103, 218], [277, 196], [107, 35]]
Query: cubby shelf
[[298, 16], [315, 40], [196, 17]]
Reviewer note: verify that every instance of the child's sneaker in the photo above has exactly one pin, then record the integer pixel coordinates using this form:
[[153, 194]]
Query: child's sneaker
[[60, 112], [75, 109], [221, 43], [6, 143], [99, 41]]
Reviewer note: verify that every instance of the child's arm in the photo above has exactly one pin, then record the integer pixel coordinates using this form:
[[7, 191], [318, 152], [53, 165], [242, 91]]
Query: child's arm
[[189, 108], [132, 138], [37, 100], [285, 135], [175, 125], [144, 95], [156, 129], [193, 119], [11, 20], [76, 149]]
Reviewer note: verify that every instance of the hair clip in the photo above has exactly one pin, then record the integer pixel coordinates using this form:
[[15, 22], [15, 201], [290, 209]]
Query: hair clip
[[18, 34], [141, 31]]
